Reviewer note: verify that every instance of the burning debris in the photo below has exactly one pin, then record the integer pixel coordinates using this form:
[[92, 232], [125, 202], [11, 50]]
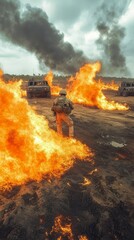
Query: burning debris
[[62, 227]]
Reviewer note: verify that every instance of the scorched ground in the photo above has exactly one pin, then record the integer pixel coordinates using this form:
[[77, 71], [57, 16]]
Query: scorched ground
[[92, 200]]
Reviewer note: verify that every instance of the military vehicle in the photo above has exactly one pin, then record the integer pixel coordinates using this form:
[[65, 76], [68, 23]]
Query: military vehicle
[[38, 88], [126, 89]]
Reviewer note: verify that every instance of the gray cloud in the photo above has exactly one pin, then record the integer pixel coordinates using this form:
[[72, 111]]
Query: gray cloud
[[69, 12], [33, 31], [110, 43], [110, 39]]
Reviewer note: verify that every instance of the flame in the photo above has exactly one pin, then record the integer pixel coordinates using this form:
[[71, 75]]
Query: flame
[[86, 182], [1, 73], [62, 225], [83, 89], [23, 93], [82, 237], [93, 171], [54, 89], [111, 85], [23, 88], [29, 149]]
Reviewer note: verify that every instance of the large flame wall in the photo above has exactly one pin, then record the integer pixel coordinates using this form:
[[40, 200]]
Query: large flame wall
[[29, 149]]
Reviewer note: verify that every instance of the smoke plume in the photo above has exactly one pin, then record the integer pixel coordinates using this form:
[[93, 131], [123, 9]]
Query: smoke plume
[[32, 30], [110, 38]]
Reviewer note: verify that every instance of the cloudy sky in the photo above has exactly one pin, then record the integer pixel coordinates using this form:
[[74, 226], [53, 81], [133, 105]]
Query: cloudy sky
[[36, 36]]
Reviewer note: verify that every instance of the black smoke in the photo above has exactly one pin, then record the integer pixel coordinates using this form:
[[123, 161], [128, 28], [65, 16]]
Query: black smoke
[[32, 30], [111, 34]]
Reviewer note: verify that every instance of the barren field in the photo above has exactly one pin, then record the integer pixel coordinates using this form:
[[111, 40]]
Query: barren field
[[101, 209]]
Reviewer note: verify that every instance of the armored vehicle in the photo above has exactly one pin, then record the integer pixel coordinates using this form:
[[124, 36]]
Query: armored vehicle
[[38, 88], [126, 89]]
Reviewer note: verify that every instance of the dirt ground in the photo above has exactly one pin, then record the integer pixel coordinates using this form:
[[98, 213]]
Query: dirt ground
[[101, 210]]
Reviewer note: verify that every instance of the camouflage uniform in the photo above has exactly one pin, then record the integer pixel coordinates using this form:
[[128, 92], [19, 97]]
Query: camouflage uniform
[[63, 117]]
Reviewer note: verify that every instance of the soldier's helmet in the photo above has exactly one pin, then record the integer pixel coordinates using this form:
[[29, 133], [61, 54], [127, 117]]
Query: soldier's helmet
[[63, 92]]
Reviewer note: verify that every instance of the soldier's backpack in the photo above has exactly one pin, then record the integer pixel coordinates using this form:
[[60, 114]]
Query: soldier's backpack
[[62, 105]]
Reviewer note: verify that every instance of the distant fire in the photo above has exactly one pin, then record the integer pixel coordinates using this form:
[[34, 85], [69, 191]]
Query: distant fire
[[83, 89], [110, 85], [54, 89], [29, 149]]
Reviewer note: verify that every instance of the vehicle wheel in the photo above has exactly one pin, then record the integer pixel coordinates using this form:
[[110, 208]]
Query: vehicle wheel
[[124, 94]]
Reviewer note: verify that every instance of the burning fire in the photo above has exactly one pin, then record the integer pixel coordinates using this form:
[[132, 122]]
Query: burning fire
[[62, 226], [83, 238], [86, 182], [29, 149], [83, 89], [54, 89], [111, 85], [93, 171]]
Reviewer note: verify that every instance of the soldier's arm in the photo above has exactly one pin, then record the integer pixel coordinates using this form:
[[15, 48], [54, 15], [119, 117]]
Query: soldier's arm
[[54, 103], [71, 104]]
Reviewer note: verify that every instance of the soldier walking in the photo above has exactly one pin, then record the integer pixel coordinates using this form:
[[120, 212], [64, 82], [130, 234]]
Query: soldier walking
[[62, 107]]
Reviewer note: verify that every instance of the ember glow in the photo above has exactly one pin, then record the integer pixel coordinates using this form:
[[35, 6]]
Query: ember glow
[[54, 89], [62, 226], [84, 89], [29, 149], [83, 238], [86, 182], [93, 171]]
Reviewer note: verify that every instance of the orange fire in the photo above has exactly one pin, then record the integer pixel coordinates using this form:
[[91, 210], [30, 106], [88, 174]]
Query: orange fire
[[62, 225], [29, 149], [111, 85], [84, 89], [93, 171], [83, 238], [54, 89], [86, 182], [1, 73]]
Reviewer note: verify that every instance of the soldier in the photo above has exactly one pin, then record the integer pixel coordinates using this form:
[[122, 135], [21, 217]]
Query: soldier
[[62, 107]]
